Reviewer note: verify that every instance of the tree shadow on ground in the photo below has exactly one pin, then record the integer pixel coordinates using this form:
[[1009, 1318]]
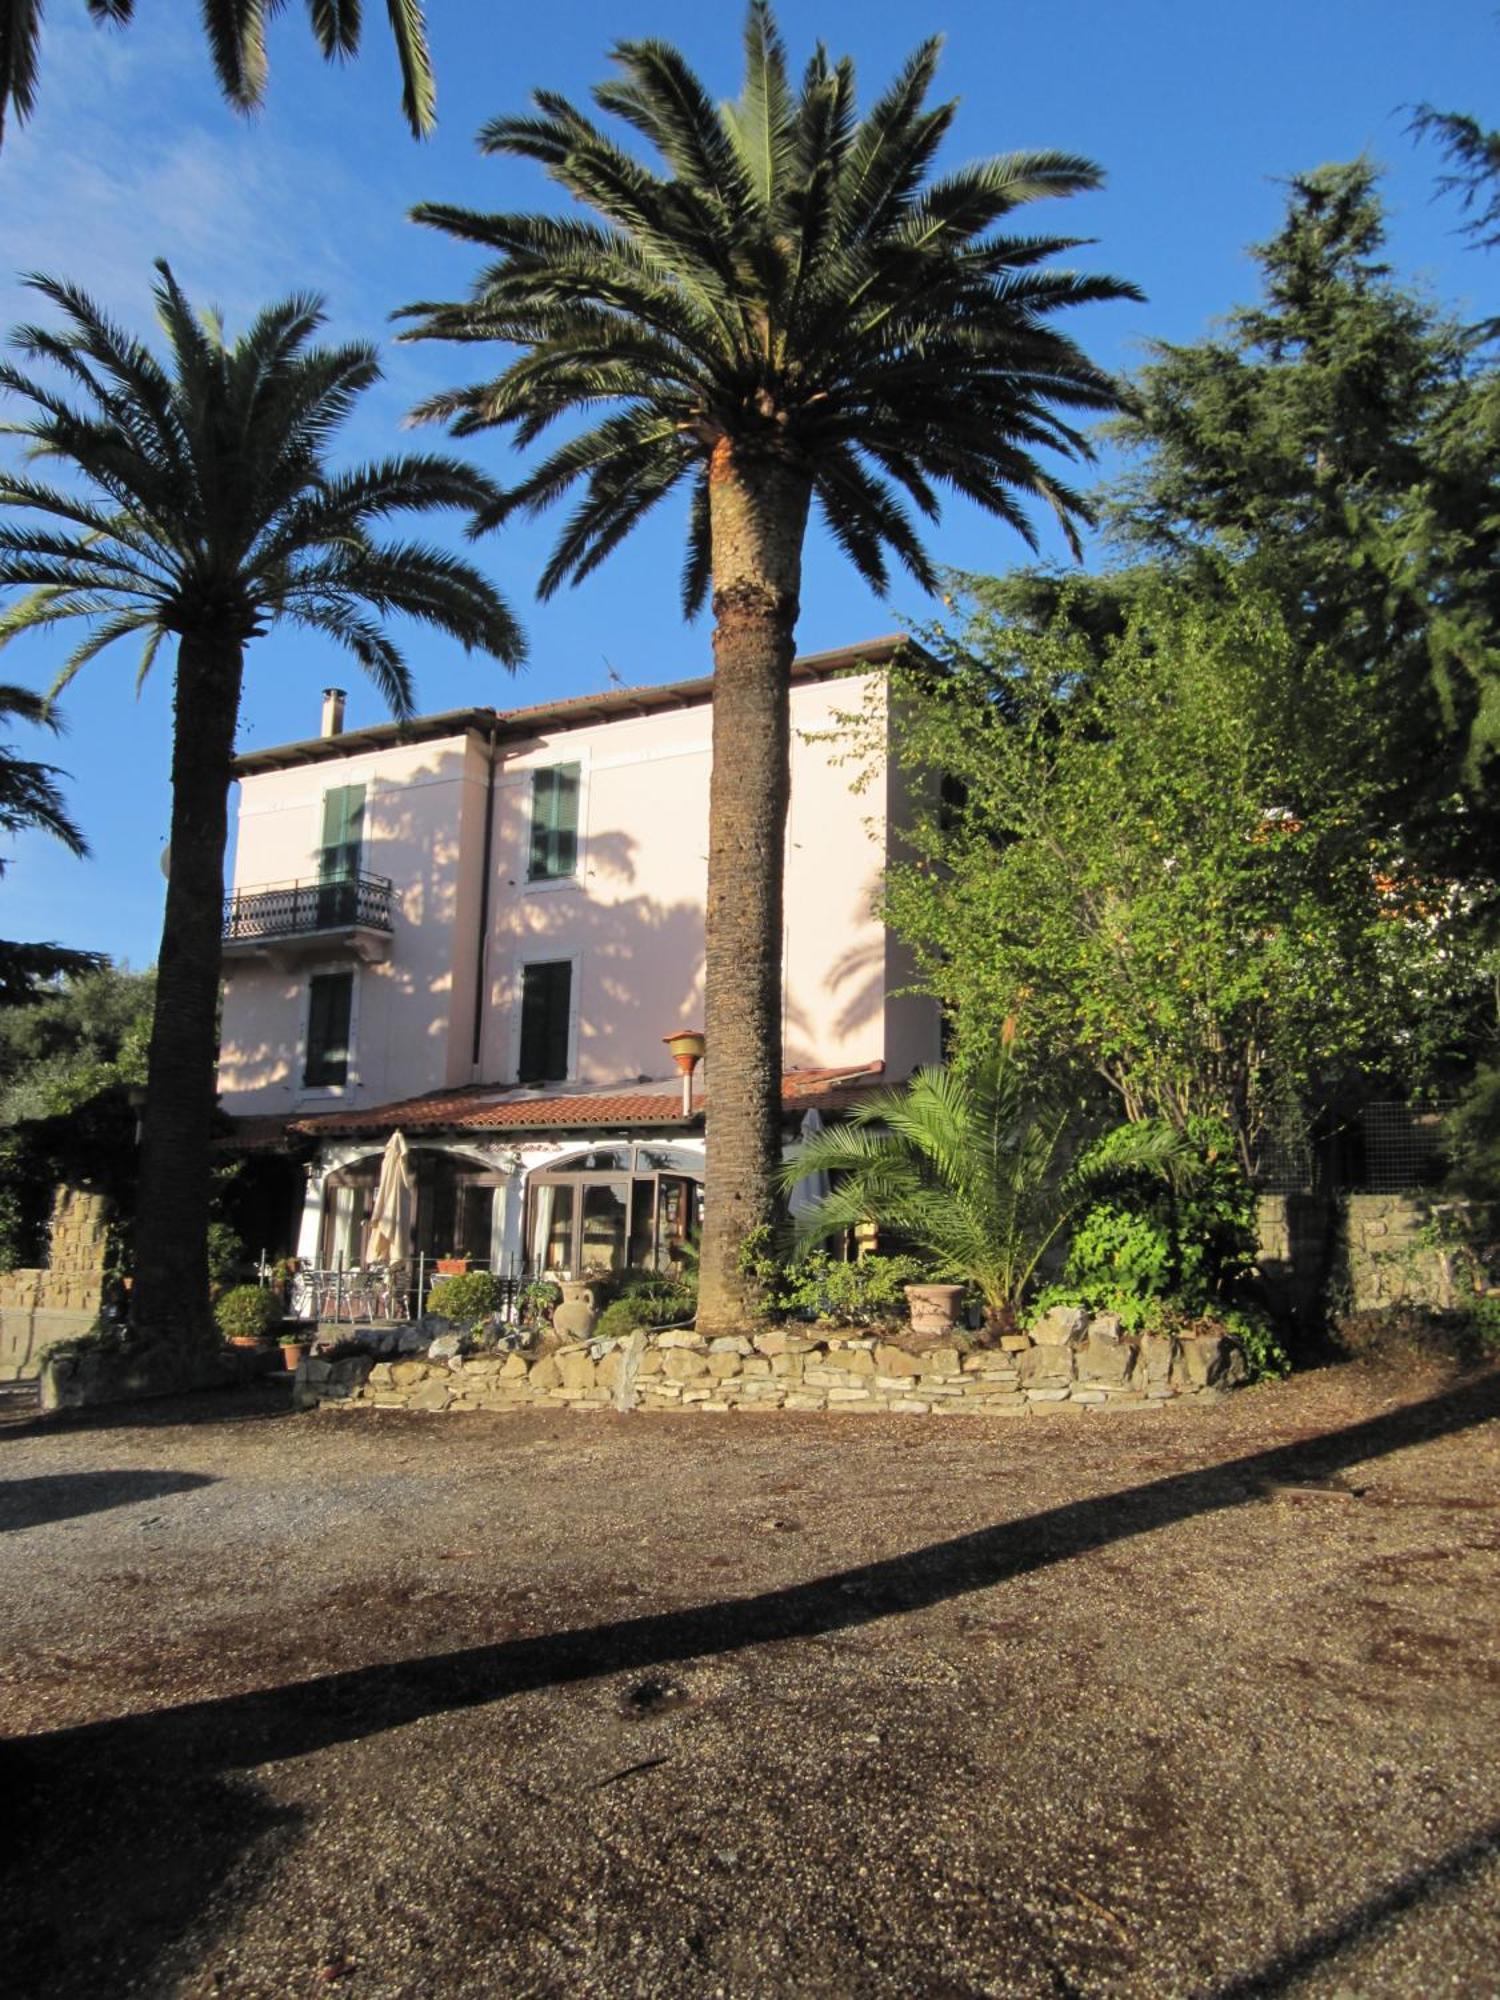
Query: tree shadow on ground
[[1365, 1923], [109, 1803], [61, 1496], [237, 1403]]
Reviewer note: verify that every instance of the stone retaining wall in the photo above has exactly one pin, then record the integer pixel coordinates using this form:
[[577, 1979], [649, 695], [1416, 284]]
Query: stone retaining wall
[[1067, 1363], [38, 1308]]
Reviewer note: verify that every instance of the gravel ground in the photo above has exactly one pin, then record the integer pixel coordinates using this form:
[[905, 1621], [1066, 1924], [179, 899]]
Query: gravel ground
[[1192, 1704]]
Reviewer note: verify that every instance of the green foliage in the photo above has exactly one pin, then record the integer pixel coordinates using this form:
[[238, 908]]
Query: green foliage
[[466, 1298], [67, 1059], [1162, 845], [793, 278], [1266, 1357], [82, 1037], [1469, 1336], [30, 800], [247, 1312], [236, 34], [1120, 1260], [536, 1301], [978, 1171], [659, 1304], [868, 1291], [1339, 440], [226, 1253]]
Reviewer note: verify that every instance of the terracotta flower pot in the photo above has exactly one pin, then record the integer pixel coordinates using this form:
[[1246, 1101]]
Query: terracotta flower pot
[[295, 1352], [934, 1308]]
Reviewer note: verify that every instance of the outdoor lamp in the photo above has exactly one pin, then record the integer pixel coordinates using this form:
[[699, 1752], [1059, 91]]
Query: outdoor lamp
[[687, 1047]]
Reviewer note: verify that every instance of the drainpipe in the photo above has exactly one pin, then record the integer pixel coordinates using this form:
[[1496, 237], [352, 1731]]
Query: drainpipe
[[482, 963]]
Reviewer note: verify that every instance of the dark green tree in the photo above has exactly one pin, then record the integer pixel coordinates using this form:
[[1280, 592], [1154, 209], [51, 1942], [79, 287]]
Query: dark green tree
[[236, 34], [199, 507], [795, 307], [1340, 439]]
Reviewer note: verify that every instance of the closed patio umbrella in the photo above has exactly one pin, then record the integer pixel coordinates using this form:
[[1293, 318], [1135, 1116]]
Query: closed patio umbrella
[[811, 1190], [390, 1219]]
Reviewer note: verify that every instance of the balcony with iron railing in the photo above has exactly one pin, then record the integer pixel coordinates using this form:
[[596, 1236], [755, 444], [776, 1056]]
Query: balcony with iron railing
[[285, 920]]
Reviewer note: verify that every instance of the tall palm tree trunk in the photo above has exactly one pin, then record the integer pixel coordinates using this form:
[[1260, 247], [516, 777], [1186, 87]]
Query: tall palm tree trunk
[[170, 1297], [758, 513]]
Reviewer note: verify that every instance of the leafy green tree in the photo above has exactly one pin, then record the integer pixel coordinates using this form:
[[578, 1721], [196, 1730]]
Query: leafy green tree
[[979, 1171], [1165, 853], [795, 308], [68, 1059], [201, 509], [236, 35]]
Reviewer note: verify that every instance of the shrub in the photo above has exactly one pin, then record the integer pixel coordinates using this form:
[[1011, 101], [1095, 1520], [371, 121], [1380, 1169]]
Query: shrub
[[661, 1305], [466, 1298], [1403, 1332], [245, 1312], [859, 1294], [536, 1302]]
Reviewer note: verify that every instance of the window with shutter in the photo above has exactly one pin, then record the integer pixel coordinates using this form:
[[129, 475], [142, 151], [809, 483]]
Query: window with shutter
[[546, 996], [554, 823], [330, 1008], [340, 854]]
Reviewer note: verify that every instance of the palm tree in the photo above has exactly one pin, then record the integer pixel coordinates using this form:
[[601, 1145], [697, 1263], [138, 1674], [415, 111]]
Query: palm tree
[[236, 31], [791, 309], [980, 1171], [31, 801], [201, 509]]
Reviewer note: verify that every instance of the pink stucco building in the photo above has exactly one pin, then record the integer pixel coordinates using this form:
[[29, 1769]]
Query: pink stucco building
[[478, 927]]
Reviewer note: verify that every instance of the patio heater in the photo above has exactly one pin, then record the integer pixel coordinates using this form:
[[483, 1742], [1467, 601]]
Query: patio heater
[[687, 1047]]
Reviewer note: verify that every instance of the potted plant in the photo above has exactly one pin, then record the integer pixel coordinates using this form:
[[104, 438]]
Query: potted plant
[[247, 1314], [295, 1348]]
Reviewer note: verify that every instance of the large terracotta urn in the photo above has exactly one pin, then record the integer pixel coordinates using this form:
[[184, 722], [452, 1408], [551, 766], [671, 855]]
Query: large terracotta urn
[[577, 1316]]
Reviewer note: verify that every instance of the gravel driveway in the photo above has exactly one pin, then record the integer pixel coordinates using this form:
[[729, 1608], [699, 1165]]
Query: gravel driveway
[[1204, 1703]]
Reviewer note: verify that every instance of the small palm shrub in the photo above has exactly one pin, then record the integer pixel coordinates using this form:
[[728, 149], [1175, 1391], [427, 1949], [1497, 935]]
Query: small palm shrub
[[979, 1171], [466, 1298], [246, 1312]]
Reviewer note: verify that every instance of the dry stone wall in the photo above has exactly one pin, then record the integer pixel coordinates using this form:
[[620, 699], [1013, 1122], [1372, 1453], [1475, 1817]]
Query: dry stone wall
[[1068, 1362], [38, 1308]]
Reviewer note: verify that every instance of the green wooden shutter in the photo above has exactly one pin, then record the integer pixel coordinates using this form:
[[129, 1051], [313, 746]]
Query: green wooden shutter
[[554, 822], [546, 995], [330, 1006], [343, 833]]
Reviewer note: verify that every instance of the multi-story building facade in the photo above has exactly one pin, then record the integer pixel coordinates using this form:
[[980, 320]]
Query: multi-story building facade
[[478, 927]]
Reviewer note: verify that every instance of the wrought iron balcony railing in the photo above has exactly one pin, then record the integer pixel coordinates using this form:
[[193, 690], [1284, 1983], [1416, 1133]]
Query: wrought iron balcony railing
[[299, 909]]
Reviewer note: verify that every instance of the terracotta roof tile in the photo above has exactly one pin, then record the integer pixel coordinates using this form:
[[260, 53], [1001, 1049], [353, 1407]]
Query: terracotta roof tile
[[480, 1108]]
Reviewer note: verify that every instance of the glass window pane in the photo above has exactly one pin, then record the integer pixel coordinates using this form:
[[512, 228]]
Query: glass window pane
[[603, 1245], [555, 1220], [330, 1001], [546, 1001], [642, 1254]]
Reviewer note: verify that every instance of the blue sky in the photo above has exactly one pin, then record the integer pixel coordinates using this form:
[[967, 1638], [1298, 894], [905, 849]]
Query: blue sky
[[1193, 109]]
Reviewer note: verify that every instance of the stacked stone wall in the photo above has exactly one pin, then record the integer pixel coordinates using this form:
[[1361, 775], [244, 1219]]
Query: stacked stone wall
[[63, 1299], [1397, 1253], [1068, 1363]]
